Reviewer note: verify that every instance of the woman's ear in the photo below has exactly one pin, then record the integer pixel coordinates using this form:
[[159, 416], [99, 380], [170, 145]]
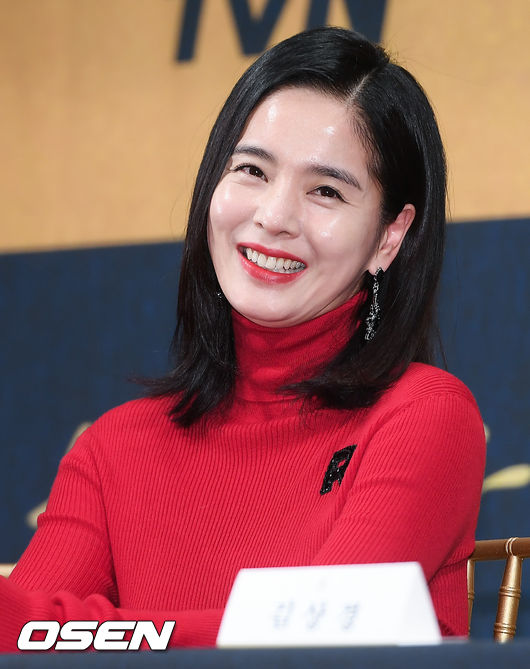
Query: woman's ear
[[392, 238]]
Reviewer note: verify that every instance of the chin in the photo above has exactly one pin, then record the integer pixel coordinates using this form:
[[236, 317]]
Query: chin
[[261, 316]]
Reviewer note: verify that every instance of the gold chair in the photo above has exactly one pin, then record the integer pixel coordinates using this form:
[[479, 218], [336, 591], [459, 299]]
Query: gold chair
[[6, 569], [513, 551]]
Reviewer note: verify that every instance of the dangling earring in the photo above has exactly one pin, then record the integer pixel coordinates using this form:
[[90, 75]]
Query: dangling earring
[[374, 315]]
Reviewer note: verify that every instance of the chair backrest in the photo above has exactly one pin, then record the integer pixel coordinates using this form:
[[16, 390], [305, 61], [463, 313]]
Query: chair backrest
[[513, 551], [6, 569]]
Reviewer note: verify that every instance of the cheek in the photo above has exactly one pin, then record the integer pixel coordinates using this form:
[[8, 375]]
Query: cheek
[[217, 212], [217, 227], [228, 207], [343, 237], [338, 238], [223, 219]]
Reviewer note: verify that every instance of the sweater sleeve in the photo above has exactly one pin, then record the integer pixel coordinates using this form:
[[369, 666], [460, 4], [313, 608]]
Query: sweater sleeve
[[416, 490], [192, 628], [66, 573]]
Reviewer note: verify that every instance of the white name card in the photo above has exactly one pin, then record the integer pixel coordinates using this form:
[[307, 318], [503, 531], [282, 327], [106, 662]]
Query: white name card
[[339, 605]]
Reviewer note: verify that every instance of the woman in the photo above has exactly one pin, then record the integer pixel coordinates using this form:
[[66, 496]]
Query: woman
[[302, 423]]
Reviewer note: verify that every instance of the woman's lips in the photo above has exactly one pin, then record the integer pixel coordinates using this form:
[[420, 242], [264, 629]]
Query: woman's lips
[[260, 263]]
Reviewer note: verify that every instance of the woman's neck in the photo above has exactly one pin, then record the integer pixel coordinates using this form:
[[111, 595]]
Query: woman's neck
[[270, 358]]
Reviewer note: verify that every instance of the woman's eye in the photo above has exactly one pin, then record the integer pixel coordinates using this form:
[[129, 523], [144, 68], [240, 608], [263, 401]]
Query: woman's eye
[[252, 170], [327, 191]]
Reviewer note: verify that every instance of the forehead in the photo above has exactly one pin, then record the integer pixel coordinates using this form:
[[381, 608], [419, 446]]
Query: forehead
[[300, 108]]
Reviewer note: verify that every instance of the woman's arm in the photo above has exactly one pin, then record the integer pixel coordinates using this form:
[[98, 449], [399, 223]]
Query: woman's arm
[[67, 571], [416, 496], [416, 492]]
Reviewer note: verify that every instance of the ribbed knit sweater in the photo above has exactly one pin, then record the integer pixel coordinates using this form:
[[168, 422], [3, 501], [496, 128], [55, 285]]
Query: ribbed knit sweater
[[149, 520]]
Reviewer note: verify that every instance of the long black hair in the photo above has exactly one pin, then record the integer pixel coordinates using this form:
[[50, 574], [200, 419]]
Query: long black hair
[[406, 157]]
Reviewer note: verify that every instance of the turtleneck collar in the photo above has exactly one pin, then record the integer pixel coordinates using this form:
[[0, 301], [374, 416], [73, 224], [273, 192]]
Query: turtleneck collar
[[269, 358]]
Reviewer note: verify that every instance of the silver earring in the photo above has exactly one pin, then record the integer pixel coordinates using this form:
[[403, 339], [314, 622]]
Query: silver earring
[[374, 315]]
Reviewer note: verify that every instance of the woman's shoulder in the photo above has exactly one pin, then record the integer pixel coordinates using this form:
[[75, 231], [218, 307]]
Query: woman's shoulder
[[429, 410], [421, 382], [140, 411], [136, 422]]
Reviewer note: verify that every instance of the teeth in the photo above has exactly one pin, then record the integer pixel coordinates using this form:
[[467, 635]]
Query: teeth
[[282, 265]]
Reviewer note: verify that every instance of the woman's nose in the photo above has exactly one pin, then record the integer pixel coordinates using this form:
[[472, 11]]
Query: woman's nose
[[278, 209]]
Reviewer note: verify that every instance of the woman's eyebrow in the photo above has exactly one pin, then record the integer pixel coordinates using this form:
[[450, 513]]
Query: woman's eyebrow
[[254, 151], [336, 173]]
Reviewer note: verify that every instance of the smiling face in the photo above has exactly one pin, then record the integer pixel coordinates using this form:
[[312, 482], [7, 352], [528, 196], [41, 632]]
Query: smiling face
[[294, 222]]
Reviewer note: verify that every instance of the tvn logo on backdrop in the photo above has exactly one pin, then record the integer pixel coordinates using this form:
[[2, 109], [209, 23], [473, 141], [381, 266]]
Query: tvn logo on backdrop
[[254, 30]]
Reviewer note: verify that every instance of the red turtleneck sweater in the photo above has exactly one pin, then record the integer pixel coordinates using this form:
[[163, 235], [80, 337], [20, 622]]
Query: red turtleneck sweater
[[148, 520]]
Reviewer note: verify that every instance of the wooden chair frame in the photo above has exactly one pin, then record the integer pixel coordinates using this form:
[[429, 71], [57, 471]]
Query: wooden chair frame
[[6, 569], [513, 551]]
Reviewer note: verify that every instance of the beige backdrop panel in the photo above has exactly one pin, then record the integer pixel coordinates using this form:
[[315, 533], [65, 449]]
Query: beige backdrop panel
[[101, 129], [473, 58]]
